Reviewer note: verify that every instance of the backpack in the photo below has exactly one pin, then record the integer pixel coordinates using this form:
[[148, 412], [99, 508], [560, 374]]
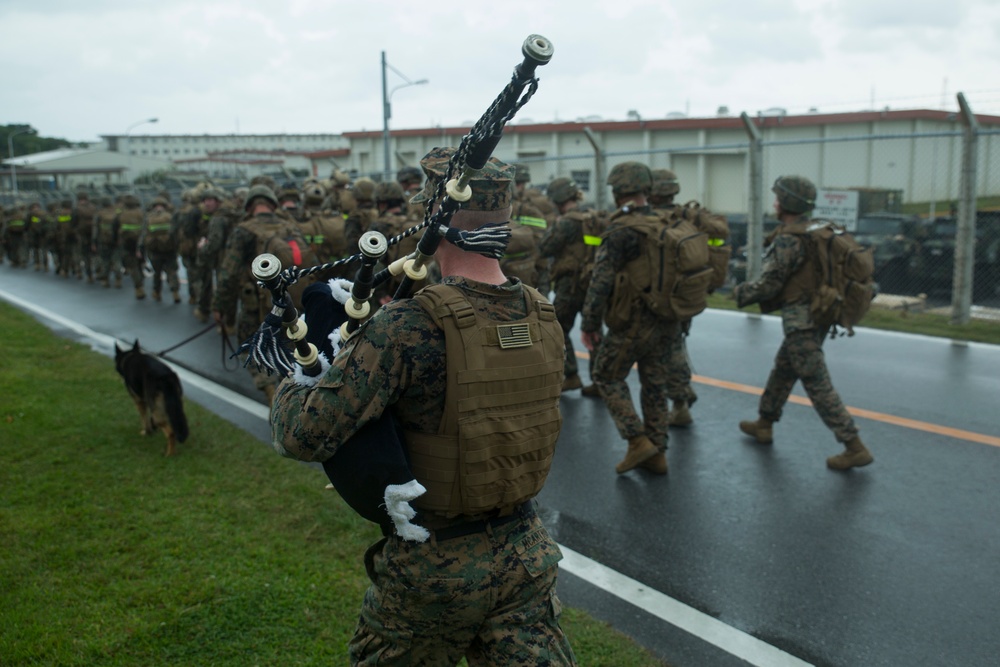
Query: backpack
[[717, 229], [519, 260], [577, 260], [283, 239], [670, 277], [159, 233], [844, 272]]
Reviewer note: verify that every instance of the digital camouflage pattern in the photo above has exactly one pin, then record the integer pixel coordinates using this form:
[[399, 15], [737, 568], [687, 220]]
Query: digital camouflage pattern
[[489, 595], [800, 356], [627, 178], [646, 343], [665, 183], [492, 188]]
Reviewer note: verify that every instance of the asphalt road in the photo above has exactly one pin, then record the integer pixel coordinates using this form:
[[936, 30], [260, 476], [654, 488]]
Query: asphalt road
[[894, 564]]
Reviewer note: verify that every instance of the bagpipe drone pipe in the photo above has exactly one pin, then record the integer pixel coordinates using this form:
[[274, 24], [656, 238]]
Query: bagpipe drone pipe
[[370, 470]]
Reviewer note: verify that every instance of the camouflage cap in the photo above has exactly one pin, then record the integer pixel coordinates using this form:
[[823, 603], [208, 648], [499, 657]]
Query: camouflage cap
[[492, 187], [561, 190], [389, 191], [796, 194], [664, 183], [523, 174], [628, 178], [364, 189]]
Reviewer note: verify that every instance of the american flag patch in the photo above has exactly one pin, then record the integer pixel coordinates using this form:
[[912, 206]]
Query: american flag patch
[[514, 335]]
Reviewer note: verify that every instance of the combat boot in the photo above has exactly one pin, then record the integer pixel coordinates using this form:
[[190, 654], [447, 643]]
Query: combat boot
[[200, 315], [680, 415], [140, 293], [157, 296], [591, 391], [572, 382], [760, 430], [656, 464], [854, 455], [640, 448], [106, 283], [177, 296], [118, 281]]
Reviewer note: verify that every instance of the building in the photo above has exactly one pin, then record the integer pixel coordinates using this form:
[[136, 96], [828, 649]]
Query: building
[[69, 168]]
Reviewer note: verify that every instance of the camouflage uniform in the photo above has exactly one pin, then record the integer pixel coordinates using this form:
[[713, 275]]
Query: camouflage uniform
[[159, 239], [66, 241], [109, 261], [83, 223], [800, 356], [209, 250], [127, 228], [488, 595], [39, 230], [14, 237], [362, 212]]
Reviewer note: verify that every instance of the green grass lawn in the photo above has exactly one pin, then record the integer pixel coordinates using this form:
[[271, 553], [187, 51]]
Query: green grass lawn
[[226, 554]]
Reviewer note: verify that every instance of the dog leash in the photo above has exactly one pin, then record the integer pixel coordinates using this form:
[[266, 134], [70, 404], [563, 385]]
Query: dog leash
[[227, 345]]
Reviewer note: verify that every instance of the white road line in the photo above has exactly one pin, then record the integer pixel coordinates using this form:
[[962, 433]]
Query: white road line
[[701, 625]]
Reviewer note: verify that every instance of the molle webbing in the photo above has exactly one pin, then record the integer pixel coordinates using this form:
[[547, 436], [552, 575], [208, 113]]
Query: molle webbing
[[496, 439]]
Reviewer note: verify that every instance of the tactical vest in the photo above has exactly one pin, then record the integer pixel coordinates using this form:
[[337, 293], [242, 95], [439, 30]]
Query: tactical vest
[[577, 259], [326, 236], [496, 439], [85, 214], [283, 239], [130, 224], [671, 275], [159, 236]]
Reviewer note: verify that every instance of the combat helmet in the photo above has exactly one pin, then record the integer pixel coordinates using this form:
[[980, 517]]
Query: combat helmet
[[339, 178], [561, 190], [664, 183], [408, 175], [523, 174], [157, 201], [796, 194], [364, 189], [314, 193], [260, 191], [627, 178], [389, 191]]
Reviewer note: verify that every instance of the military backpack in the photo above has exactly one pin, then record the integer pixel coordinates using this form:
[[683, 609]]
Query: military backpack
[[283, 239], [717, 230], [844, 275]]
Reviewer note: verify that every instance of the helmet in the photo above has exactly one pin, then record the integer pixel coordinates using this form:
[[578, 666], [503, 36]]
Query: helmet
[[523, 174], [408, 175], [314, 193], [388, 191], [562, 190], [340, 178], [628, 178], [796, 194], [266, 181], [289, 193], [212, 193], [664, 183], [364, 189], [157, 201], [261, 191]]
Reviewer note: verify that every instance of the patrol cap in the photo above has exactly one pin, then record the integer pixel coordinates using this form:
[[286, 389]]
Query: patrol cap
[[492, 187], [664, 183], [389, 191], [260, 191], [796, 194], [628, 178], [561, 190]]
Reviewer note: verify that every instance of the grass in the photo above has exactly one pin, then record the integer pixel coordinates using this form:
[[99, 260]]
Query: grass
[[928, 324], [223, 555]]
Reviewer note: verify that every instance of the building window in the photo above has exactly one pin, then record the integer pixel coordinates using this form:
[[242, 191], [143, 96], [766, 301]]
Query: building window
[[582, 179]]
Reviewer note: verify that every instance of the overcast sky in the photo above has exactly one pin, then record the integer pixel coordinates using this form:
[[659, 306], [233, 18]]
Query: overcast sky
[[78, 69]]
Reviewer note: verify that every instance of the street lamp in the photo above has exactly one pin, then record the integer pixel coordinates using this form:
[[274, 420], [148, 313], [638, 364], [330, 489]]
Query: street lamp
[[10, 152], [387, 111], [128, 144]]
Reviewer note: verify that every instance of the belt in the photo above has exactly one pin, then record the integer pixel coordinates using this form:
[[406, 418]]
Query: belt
[[525, 510]]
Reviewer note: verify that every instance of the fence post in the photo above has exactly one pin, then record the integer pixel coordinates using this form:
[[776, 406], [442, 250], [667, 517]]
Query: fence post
[[755, 217], [599, 184], [965, 234]]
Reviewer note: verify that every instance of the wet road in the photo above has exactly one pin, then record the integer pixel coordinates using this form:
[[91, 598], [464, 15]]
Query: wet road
[[894, 564]]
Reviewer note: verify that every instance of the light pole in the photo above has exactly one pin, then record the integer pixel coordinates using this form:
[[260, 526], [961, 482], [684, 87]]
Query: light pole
[[387, 111], [10, 152], [128, 144]]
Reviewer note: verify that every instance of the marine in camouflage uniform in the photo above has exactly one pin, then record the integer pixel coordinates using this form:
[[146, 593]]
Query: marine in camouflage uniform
[[127, 228], [800, 356], [39, 231], [83, 223], [644, 340], [523, 259], [571, 244], [186, 222], [362, 212], [109, 261], [208, 255], [482, 586], [159, 240], [66, 241], [15, 235], [202, 269]]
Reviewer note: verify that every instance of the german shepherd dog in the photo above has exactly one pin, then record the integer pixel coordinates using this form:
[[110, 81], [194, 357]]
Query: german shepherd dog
[[157, 393]]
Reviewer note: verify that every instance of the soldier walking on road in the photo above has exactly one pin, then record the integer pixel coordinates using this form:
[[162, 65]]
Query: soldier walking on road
[[784, 283], [128, 226], [636, 335], [159, 240]]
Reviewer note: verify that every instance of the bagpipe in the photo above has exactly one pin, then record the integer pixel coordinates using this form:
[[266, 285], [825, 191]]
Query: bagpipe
[[370, 470]]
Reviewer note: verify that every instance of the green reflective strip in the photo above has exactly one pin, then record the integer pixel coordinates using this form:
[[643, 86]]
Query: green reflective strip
[[157, 228], [716, 242], [318, 239], [34, 219], [15, 223], [531, 222], [64, 218], [517, 255], [130, 228], [591, 240]]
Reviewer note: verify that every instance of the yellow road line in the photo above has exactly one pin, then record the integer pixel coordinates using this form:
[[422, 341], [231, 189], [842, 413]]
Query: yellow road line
[[903, 422]]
